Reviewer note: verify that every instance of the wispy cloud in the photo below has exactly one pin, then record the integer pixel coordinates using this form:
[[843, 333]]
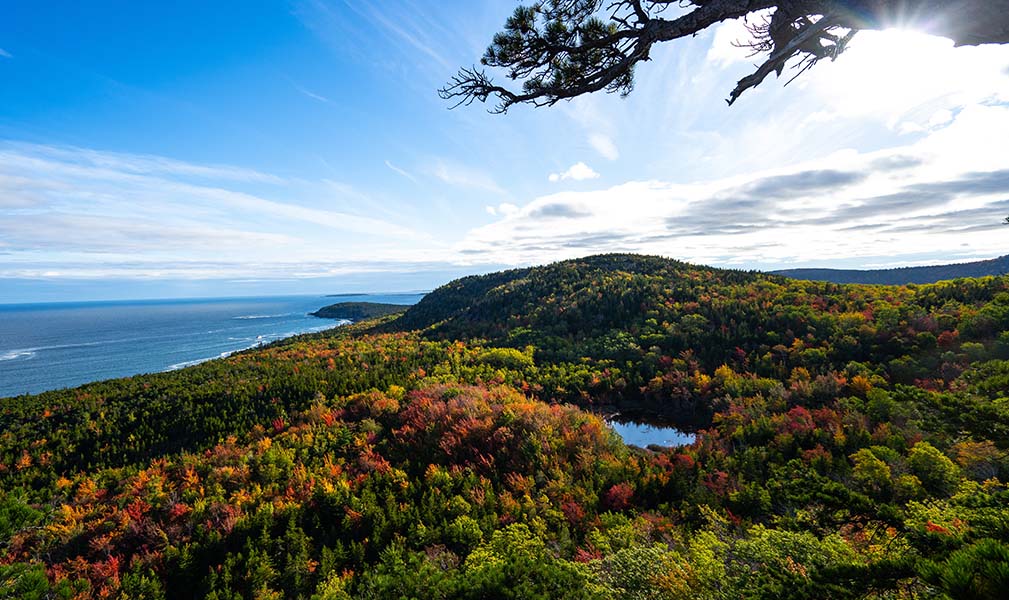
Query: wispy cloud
[[400, 171], [460, 175], [109, 234], [312, 95], [79, 206], [230, 272], [5, 54], [71, 159], [409, 33], [604, 146]]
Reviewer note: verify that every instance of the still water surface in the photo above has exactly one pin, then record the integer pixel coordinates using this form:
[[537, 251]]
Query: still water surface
[[645, 430]]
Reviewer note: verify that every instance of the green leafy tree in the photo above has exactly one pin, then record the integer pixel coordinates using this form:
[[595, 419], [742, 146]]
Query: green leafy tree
[[515, 563], [870, 473], [938, 474]]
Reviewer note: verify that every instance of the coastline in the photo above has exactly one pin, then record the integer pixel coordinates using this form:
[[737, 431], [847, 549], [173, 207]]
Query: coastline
[[50, 347]]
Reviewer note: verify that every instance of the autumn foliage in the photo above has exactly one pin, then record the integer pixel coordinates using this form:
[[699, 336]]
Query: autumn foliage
[[851, 441]]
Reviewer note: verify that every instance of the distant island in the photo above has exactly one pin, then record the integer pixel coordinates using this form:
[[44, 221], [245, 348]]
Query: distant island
[[358, 311], [903, 275]]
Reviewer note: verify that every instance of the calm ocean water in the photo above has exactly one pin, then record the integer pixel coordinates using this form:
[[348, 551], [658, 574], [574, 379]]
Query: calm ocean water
[[52, 346]]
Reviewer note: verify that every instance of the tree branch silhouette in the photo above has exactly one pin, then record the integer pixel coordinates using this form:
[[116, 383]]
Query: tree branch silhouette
[[559, 49]]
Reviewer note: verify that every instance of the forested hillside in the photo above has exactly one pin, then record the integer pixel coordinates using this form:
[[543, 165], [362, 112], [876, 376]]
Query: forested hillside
[[852, 443], [905, 275], [357, 311]]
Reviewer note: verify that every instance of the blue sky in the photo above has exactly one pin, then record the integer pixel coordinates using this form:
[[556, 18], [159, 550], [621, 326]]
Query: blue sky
[[231, 148]]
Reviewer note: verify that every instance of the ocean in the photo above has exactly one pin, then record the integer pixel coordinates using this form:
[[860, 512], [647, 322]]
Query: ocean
[[52, 346]]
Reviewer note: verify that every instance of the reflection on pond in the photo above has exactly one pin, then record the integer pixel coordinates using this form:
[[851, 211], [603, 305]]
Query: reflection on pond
[[645, 430]]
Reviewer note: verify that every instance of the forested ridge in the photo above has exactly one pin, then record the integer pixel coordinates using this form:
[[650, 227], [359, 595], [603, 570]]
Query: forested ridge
[[905, 275], [357, 311], [852, 443]]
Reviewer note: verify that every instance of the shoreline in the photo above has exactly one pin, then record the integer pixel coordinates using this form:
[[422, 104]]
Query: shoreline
[[52, 348]]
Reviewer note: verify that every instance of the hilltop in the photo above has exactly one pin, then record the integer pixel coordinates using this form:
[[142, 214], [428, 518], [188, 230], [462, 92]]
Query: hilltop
[[904, 275], [852, 443]]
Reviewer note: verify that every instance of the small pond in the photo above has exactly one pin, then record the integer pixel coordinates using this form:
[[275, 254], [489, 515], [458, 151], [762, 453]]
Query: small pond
[[645, 430]]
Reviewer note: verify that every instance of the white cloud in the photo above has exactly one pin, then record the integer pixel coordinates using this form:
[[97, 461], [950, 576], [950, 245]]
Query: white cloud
[[896, 76], [576, 172], [604, 146], [912, 200], [727, 45], [888, 84], [907, 127], [5, 54], [504, 209], [939, 118]]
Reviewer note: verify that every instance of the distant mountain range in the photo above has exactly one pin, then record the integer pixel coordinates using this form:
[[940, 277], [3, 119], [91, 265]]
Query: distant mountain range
[[903, 275]]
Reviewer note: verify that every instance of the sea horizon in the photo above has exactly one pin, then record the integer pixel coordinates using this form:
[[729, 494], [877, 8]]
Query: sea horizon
[[172, 299], [47, 346]]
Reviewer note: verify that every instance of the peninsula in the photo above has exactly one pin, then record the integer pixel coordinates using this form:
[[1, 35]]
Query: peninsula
[[358, 311]]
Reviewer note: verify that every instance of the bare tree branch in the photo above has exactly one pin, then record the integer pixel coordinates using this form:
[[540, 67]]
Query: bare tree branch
[[561, 49]]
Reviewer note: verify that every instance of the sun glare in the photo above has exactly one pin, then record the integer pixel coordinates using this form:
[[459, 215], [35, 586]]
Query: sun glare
[[890, 72], [891, 62]]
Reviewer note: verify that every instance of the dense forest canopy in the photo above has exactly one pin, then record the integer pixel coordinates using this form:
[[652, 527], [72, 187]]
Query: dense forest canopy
[[851, 443], [357, 311], [561, 49]]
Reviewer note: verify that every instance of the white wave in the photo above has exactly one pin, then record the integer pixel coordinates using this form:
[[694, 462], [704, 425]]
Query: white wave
[[226, 354], [279, 316], [188, 363], [26, 354], [260, 340]]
